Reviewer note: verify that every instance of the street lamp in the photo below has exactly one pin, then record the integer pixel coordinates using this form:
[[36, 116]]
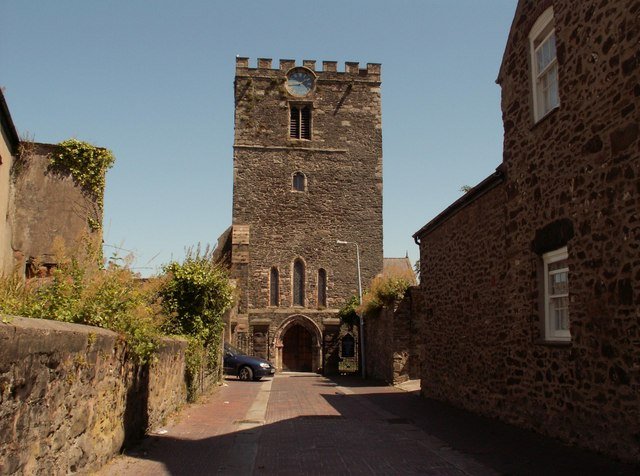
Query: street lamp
[[341, 242]]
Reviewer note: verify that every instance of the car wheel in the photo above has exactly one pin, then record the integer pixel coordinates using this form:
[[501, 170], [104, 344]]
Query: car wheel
[[245, 373]]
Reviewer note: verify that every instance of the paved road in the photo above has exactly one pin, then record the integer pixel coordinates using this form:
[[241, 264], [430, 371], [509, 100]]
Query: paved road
[[301, 423]]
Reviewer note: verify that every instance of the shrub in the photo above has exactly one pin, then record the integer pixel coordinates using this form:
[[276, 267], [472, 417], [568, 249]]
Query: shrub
[[78, 292], [348, 313], [384, 291], [195, 295]]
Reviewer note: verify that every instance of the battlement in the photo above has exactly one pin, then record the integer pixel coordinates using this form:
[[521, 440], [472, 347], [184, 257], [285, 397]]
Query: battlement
[[351, 68]]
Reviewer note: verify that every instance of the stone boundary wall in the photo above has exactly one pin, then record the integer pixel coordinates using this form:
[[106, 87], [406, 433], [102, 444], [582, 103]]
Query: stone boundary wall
[[70, 397], [393, 343]]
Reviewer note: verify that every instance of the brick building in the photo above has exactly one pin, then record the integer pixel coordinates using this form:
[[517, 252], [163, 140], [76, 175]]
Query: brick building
[[531, 279], [307, 174]]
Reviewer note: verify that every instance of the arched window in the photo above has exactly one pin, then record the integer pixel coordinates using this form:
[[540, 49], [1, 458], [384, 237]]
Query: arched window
[[298, 283], [274, 287], [299, 182], [322, 288]]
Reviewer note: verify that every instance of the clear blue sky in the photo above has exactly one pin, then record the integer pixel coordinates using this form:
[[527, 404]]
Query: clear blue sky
[[153, 82]]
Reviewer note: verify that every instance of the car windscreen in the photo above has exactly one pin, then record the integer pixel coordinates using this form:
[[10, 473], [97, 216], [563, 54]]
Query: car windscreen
[[233, 350]]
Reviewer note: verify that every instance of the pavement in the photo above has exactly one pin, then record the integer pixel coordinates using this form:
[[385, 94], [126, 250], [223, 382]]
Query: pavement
[[306, 424]]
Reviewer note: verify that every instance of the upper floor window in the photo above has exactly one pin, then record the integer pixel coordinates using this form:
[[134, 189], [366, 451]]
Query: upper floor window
[[542, 40], [322, 288], [556, 295], [300, 122], [299, 182], [298, 283], [274, 287]]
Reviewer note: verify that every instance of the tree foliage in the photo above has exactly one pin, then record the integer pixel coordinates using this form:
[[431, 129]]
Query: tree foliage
[[195, 295]]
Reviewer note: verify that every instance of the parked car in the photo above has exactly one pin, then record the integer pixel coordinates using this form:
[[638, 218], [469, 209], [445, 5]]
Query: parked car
[[245, 366]]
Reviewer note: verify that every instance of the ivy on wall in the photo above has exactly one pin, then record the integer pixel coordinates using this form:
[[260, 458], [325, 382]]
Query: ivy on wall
[[86, 163]]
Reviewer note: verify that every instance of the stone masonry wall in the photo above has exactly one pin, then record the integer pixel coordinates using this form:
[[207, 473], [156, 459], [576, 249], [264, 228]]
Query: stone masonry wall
[[48, 206], [393, 341], [70, 398], [572, 179], [462, 268]]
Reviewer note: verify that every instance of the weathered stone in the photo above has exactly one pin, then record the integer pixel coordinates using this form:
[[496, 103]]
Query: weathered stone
[[65, 396], [394, 340], [275, 224]]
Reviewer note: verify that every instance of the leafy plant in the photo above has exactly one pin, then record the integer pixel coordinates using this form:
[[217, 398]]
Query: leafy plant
[[79, 292], [86, 163], [195, 295], [348, 313], [385, 291]]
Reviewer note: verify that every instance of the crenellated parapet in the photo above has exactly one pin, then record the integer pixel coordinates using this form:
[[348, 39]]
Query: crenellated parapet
[[329, 70]]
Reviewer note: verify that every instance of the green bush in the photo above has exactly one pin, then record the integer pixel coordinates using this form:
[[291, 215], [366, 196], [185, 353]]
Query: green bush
[[189, 300], [348, 313], [385, 291], [195, 295], [111, 298]]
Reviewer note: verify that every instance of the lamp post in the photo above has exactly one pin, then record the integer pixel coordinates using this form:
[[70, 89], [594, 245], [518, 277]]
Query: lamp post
[[341, 242]]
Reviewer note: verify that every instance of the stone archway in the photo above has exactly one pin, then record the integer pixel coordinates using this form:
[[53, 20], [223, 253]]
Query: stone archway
[[298, 343]]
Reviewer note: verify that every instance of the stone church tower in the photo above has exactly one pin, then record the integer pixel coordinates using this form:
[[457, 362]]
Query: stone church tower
[[307, 174]]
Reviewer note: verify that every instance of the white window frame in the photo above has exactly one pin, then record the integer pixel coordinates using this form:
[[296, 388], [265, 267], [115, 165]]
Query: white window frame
[[538, 36], [551, 333]]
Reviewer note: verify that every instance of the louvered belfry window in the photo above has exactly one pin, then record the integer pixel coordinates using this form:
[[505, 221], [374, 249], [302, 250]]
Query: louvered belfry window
[[300, 122]]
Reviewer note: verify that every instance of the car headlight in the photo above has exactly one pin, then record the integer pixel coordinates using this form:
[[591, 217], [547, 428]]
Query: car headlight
[[264, 365]]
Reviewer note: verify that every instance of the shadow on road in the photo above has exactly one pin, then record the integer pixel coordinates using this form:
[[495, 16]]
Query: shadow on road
[[377, 430], [505, 448]]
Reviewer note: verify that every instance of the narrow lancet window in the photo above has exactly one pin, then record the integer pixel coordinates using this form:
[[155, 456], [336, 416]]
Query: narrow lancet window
[[274, 287], [298, 283], [322, 288]]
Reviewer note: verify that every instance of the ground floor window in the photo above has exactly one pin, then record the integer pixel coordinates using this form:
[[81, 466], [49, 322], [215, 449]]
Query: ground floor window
[[556, 295]]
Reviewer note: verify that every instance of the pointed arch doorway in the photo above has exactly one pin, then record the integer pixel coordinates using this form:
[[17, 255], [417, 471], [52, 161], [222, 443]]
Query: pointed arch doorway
[[298, 345], [296, 349]]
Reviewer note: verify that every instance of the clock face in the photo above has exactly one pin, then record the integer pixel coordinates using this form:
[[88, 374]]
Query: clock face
[[299, 83]]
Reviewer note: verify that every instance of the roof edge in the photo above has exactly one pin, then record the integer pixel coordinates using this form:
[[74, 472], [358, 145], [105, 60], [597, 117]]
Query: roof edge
[[8, 125], [468, 198]]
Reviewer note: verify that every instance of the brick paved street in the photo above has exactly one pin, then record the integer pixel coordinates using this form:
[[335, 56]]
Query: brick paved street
[[308, 424]]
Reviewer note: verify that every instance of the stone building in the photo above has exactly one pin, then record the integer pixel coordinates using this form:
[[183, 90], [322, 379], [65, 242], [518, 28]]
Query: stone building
[[39, 207], [307, 174], [530, 280], [9, 145]]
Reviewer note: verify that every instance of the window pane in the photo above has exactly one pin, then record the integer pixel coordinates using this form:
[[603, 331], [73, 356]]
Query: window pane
[[553, 87], [559, 312], [558, 265], [559, 283], [546, 53]]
